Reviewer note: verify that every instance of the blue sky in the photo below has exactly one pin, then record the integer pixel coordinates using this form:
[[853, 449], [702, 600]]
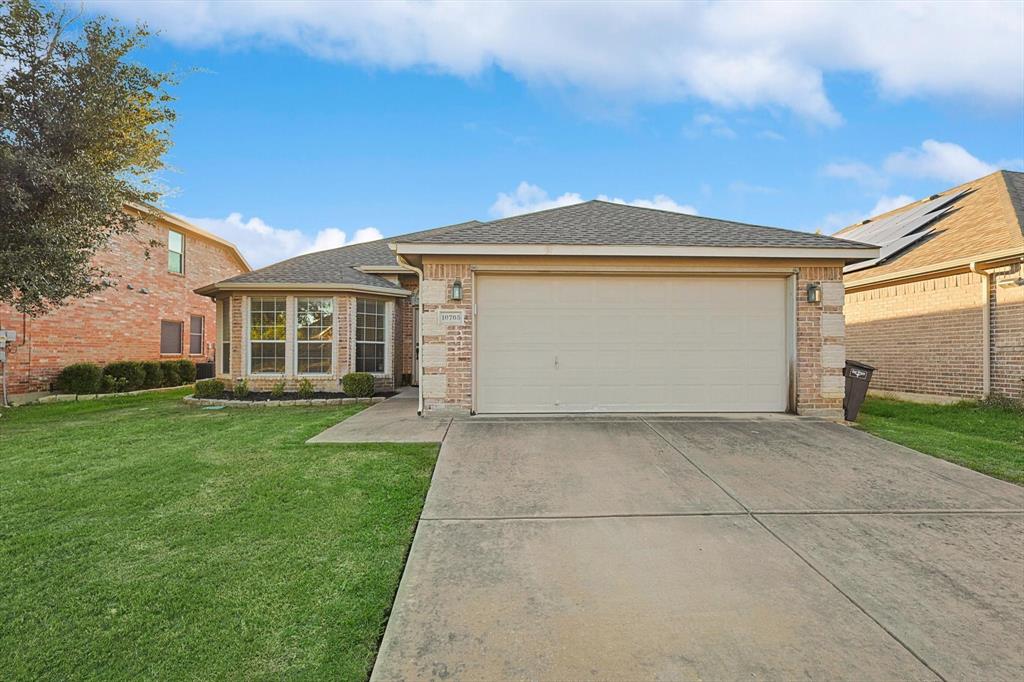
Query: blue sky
[[306, 125]]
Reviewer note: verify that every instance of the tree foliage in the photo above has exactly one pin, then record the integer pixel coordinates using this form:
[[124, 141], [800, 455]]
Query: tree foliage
[[83, 130]]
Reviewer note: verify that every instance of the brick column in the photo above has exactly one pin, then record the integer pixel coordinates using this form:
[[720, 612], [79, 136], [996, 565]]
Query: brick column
[[820, 343], [447, 352]]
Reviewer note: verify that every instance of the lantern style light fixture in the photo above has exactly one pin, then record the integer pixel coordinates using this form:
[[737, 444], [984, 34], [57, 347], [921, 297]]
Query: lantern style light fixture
[[813, 293], [457, 290]]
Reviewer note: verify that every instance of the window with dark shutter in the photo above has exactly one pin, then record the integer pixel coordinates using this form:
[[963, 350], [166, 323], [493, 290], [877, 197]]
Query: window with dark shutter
[[170, 337]]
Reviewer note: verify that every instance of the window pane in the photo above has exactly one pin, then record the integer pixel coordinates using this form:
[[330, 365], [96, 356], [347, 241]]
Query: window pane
[[195, 341], [267, 357], [225, 357], [175, 252], [170, 337], [314, 358], [370, 357]]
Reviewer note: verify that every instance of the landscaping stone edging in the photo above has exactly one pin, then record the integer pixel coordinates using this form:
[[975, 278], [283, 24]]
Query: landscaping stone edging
[[191, 399], [71, 397]]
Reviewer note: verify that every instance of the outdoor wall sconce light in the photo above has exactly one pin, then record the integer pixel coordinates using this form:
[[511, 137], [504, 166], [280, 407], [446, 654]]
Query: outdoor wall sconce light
[[457, 290], [814, 293]]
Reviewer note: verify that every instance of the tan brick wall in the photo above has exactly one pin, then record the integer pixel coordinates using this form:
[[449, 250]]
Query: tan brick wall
[[118, 323], [923, 337], [447, 353], [820, 343], [407, 312], [1007, 320]]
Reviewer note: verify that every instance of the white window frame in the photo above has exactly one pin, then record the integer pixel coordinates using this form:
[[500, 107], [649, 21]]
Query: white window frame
[[388, 324], [170, 251], [249, 341], [223, 336], [334, 336], [202, 335]]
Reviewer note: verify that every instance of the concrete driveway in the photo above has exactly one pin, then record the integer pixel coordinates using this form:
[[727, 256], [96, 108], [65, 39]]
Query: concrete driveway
[[706, 548]]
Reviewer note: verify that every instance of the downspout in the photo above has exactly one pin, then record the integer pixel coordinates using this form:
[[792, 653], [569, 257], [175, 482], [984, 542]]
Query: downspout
[[986, 332], [402, 262]]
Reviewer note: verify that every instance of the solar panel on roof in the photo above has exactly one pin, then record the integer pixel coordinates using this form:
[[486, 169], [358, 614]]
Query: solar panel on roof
[[895, 233]]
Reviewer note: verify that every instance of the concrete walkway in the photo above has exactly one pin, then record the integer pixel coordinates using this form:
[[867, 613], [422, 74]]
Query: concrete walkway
[[714, 549], [392, 421]]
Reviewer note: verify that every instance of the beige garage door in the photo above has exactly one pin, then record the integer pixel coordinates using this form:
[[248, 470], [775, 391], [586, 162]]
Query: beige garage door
[[568, 343]]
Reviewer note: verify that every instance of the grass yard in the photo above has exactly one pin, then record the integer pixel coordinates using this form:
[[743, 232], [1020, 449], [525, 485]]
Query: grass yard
[[985, 438], [143, 538]]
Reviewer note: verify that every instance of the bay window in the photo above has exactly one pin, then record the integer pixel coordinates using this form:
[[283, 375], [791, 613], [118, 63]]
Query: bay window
[[314, 335], [268, 323]]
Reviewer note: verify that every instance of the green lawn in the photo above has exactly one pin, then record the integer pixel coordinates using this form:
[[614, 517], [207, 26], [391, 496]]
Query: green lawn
[[982, 437], [144, 538]]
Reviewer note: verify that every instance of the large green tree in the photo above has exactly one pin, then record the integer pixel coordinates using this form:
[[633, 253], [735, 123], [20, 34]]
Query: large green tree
[[83, 130]]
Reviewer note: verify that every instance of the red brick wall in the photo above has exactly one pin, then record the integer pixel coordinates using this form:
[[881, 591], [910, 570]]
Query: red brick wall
[[118, 323], [923, 337], [407, 331]]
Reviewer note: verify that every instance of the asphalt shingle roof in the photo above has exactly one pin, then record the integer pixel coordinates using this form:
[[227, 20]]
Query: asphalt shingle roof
[[333, 266], [605, 223], [590, 223]]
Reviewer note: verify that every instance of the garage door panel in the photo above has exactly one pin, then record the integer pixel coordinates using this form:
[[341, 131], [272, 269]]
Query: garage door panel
[[615, 343]]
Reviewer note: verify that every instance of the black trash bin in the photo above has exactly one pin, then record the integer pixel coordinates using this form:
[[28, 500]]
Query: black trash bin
[[858, 376]]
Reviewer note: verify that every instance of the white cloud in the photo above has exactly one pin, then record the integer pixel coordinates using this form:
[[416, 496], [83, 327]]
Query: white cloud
[[857, 171], [528, 198], [262, 244], [736, 55], [939, 160], [770, 135], [714, 125], [660, 202], [886, 204]]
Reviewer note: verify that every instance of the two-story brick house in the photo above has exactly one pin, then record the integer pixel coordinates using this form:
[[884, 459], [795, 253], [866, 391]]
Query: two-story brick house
[[149, 311]]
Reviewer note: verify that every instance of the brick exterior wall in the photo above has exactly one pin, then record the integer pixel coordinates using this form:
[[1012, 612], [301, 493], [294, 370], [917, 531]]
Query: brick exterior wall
[[344, 353], [447, 353], [1007, 335], [407, 315], [118, 323], [820, 343], [923, 337]]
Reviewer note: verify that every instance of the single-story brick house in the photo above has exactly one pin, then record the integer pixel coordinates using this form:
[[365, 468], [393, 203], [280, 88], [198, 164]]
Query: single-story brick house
[[591, 307], [941, 315], [149, 311]]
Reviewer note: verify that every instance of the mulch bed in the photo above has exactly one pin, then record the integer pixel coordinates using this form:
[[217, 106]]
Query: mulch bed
[[264, 396]]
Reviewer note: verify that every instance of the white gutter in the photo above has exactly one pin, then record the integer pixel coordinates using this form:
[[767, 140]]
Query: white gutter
[[406, 265], [305, 286], [986, 331]]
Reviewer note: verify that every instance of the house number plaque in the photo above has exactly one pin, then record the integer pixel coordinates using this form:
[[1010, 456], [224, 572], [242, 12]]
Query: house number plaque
[[451, 317]]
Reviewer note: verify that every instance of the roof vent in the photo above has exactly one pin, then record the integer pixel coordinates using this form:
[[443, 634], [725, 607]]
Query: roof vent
[[934, 196], [865, 221]]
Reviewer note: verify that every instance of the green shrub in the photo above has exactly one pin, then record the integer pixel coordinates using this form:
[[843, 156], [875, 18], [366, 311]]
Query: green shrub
[[187, 371], [358, 384], [132, 374], [111, 384], [169, 370], [277, 390], [154, 375], [209, 388], [81, 378], [306, 389], [241, 389]]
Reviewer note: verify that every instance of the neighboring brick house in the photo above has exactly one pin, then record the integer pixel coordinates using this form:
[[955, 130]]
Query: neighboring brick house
[[149, 311], [596, 307], [942, 317]]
